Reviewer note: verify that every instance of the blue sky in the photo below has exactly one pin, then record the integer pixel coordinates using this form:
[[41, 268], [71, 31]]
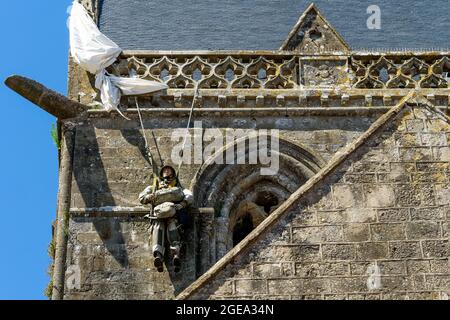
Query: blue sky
[[35, 44]]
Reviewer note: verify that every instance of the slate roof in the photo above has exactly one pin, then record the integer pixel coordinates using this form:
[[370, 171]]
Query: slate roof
[[265, 24]]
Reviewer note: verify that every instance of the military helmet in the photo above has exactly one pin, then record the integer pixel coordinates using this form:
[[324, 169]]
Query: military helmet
[[168, 167]]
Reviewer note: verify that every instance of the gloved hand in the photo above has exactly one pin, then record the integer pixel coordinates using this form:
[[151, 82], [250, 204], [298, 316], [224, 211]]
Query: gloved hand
[[150, 198]]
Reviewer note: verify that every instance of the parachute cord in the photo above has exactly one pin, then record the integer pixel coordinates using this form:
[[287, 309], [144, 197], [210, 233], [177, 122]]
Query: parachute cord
[[194, 100], [147, 148]]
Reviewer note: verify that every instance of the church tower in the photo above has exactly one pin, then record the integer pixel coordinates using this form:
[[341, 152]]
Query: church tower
[[358, 207]]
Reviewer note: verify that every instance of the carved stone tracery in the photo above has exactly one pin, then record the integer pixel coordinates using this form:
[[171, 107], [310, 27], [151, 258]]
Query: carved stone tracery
[[289, 72], [213, 72], [400, 72]]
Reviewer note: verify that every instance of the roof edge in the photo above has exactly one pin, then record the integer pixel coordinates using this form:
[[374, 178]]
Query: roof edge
[[338, 158], [362, 53]]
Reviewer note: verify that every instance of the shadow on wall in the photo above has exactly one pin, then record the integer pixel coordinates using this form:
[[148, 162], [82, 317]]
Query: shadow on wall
[[135, 138], [88, 156], [92, 174], [92, 181]]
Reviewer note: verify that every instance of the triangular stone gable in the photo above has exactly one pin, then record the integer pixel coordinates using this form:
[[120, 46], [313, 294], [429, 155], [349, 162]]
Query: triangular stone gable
[[314, 34], [368, 226]]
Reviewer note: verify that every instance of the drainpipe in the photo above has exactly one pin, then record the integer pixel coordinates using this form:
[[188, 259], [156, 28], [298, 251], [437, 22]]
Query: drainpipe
[[65, 184]]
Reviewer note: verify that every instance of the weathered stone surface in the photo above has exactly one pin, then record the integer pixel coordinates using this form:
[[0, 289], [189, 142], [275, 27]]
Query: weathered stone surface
[[116, 262], [369, 229], [379, 211], [388, 231]]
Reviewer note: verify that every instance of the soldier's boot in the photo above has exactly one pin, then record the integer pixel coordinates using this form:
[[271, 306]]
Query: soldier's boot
[[176, 258], [159, 261], [175, 244], [158, 244]]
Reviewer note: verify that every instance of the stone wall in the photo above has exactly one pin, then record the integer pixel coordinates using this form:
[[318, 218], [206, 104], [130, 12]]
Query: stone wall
[[109, 245], [376, 227], [114, 260], [110, 167]]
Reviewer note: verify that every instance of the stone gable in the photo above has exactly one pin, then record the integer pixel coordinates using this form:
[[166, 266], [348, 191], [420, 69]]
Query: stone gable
[[375, 227]]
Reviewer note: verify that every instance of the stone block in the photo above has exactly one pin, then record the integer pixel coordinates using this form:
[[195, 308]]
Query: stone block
[[334, 269], [304, 218], [404, 249], [443, 194], [393, 176], [347, 195], [314, 235], [441, 153], [415, 154], [331, 217], [416, 125], [355, 232], [394, 296], [407, 139], [348, 284], [423, 230], [436, 126], [438, 282], [435, 248], [407, 196], [307, 270], [417, 266], [297, 286], [267, 270], [370, 167], [226, 289], [388, 231], [379, 196], [433, 139], [392, 267], [89, 238], [441, 266], [397, 283], [370, 296], [251, 287], [427, 213], [338, 252], [423, 295], [429, 177], [295, 253], [393, 215], [335, 297], [360, 178], [430, 167], [372, 250], [360, 215], [359, 268]]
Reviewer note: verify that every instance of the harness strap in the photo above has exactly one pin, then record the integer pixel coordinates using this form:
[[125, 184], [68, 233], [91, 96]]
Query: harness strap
[[155, 183]]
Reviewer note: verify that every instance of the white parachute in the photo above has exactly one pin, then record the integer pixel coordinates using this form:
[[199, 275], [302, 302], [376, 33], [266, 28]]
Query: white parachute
[[94, 52]]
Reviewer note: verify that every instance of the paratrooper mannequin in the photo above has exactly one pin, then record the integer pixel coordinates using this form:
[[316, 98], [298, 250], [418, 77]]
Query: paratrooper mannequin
[[169, 207]]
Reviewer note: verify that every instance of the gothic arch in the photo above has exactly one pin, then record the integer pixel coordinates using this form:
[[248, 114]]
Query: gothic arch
[[240, 192]]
